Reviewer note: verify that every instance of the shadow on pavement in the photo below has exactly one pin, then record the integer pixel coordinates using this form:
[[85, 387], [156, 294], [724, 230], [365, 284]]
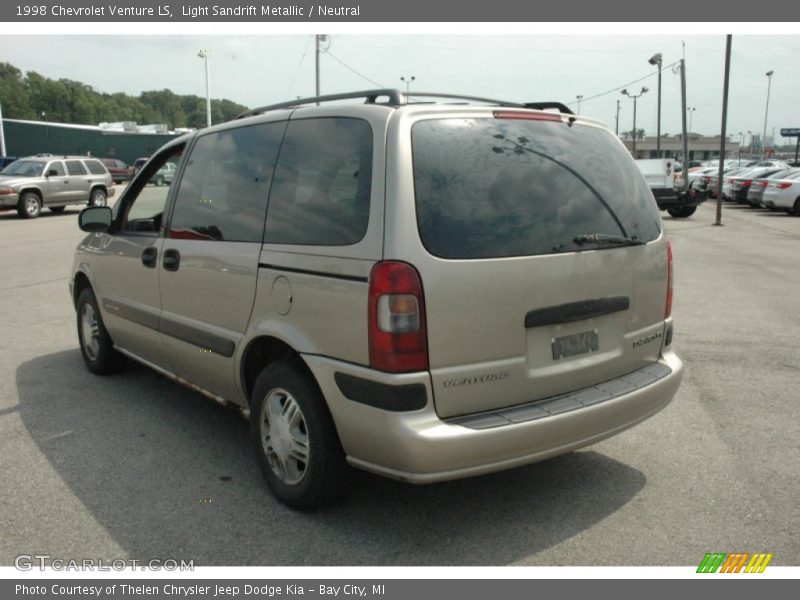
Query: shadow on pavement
[[170, 474]]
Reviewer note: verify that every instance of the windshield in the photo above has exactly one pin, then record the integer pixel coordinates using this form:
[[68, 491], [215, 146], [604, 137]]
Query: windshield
[[489, 187], [24, 168]]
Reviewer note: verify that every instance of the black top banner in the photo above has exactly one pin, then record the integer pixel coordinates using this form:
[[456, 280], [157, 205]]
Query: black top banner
[[397, 11]]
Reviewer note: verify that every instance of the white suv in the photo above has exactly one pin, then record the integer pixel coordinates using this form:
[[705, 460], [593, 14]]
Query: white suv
[[425, 291]]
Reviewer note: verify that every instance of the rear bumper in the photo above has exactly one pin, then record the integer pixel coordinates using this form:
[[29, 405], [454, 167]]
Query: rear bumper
[[419, 447]]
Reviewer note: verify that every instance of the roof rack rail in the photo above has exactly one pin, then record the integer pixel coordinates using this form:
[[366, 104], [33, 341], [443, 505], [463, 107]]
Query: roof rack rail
[[370, 96], [398, 98], [563, 108]]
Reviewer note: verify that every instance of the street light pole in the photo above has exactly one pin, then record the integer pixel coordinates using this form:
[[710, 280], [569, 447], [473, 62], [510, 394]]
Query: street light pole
[[204, 54], [766, 112], [657, 60], [691, 110], [616, 123], [407, 81], [579, 98], [635, 98]]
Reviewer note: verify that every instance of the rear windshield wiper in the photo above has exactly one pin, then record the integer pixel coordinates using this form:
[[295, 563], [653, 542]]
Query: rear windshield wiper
[[605, 239]]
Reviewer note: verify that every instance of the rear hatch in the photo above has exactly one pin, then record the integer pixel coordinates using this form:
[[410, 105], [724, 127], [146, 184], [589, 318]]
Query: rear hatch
[[546, 269]]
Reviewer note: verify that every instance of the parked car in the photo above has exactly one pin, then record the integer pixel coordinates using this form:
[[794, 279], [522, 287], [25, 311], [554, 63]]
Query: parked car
[[784, 194], [756, 191], [165, 174], [120, 171], [139, 163], [424, 291], [31, 183], [711, 184], [6, 160], [740, 184]]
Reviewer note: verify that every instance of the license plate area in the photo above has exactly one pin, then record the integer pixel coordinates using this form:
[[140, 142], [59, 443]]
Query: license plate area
[[575, 344]]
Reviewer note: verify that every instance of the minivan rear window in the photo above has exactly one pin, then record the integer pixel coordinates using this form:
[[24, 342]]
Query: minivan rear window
[[490, 188]]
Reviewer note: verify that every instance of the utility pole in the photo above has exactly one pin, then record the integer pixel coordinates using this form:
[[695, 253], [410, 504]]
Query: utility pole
[[728, 40], [317, 40], [766, 112], [685, 160], [616, 126], [657, 60], [2, 134]]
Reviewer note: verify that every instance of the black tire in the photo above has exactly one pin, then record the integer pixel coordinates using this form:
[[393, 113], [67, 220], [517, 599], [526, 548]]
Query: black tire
[[159, 181], [29, 205], [56, 209], [98, 197], [319, 478], [796, 210], [682, 212], [98, 352]]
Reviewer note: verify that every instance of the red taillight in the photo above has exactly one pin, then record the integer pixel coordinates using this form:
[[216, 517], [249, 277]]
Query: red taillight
[[398, 338], [783, 185], [746, 183], [668, 307], [529, 116], [762, 183]]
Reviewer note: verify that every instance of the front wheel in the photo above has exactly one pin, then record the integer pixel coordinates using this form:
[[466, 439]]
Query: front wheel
[[295, 440], [30, 206], [96, 346], [682, 212], [98, 197]]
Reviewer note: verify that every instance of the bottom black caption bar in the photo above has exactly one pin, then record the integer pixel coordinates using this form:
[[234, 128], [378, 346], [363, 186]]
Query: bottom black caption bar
[[390, 589]]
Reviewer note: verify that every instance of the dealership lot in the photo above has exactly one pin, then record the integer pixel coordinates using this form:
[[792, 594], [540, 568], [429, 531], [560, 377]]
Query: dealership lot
[[135, 466]]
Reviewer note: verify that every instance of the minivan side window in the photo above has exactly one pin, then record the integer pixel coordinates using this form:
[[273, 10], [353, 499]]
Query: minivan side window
[[144, 205], [321, 192], [223, 191]]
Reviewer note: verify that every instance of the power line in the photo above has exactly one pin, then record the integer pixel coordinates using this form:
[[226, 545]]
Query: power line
[[297, 70], [624, 85], [349, 68]]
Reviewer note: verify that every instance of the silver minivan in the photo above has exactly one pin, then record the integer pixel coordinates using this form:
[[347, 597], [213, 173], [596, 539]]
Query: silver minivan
[[424, 290]]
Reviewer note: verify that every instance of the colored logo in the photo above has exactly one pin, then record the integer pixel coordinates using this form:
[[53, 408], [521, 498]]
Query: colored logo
[[734, 563]]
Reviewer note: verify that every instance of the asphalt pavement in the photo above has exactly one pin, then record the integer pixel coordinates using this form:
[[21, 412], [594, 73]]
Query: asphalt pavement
[[135, 466]]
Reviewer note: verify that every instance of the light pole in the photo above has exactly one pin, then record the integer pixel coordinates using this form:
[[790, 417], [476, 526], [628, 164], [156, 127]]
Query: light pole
[[656, 60], [635, 98], [616, 122], [766, 112], [690, 110], [407, 81], [750, 146], [579, 98], [204, 54]]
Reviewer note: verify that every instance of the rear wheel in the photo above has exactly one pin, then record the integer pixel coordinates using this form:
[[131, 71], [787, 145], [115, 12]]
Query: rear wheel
[[295, 440], [98, 197], [797, 208], [96, 346], [29, 206], [682, 212]]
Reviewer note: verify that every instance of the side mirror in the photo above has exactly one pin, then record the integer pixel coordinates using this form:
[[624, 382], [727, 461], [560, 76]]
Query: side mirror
[[52, 173], [95, 218]]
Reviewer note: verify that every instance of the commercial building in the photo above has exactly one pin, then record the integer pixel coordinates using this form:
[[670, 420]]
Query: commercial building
[[700, 147]]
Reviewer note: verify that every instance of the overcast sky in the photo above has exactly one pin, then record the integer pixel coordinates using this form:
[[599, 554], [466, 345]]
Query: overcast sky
[[258, 70]]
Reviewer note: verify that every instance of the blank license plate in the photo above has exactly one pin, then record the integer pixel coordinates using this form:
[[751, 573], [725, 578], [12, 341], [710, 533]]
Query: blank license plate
[[572, 345]]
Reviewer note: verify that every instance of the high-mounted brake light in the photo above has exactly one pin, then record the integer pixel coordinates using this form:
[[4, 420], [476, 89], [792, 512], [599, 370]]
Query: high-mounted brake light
[[668, 306], [527, 116], [398, 337]]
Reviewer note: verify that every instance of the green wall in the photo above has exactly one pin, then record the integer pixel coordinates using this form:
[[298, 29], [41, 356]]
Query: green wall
[[25, 139]]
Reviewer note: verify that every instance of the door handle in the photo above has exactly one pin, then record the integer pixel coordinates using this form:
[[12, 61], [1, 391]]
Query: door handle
[[149, 256], [172, 259]]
